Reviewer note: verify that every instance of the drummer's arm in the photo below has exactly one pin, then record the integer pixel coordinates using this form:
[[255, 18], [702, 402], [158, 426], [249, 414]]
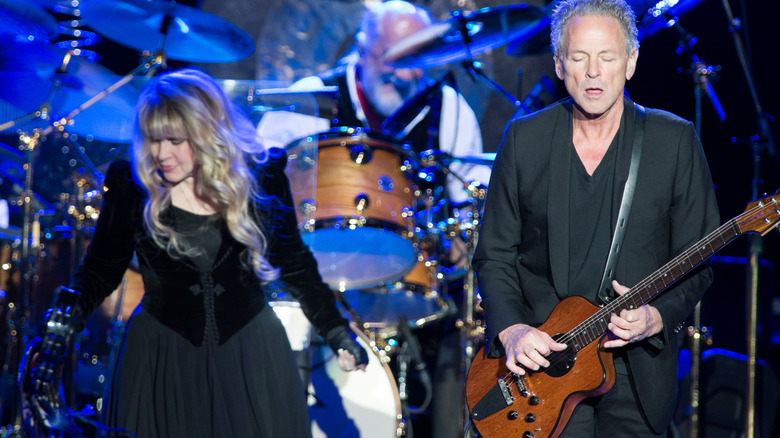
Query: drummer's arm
[[280, 128]]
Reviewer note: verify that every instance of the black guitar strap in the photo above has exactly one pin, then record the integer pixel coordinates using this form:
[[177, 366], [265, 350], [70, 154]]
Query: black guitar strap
[[605, 290]]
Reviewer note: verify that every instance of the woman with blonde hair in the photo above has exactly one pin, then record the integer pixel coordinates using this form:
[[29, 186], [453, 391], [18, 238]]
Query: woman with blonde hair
[[209, 215]]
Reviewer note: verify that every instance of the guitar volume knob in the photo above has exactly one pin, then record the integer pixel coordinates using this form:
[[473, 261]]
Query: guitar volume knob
[[528, 434], [513, 415], [530, 418], [534, 400]]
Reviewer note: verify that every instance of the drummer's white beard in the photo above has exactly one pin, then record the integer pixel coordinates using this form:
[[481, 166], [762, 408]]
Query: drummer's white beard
[[385, 99]]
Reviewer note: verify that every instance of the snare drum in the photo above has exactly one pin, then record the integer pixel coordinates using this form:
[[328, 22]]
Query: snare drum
[[354, 404], [354, 204]]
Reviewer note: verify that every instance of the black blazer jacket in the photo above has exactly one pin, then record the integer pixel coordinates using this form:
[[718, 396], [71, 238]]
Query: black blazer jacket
[[522, 255]]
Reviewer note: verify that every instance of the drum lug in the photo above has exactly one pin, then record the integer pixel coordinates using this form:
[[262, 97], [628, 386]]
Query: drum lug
[[385, 183], [362, 202], [361, 154]]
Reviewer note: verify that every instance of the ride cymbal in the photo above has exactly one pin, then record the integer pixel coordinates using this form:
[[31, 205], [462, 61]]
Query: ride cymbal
[[181, 32]]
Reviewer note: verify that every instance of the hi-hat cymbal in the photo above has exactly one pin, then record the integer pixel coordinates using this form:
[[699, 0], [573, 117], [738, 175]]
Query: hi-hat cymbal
[[444, 42], [27, 21], [181, 32], [36, 72]]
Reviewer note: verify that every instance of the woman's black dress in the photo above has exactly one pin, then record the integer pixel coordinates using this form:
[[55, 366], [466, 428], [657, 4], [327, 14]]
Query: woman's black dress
[[203, 354]]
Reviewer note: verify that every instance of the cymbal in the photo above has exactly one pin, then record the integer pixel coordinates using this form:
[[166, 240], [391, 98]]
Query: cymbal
[[660, 15], [191, 35], [27, 21], [443, 43], [36, 72], [296, 91]]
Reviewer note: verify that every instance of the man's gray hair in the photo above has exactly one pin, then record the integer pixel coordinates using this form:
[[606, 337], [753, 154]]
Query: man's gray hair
[[617, 9]]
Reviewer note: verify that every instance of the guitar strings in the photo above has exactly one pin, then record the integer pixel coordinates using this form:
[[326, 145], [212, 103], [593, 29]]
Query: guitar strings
[[556, 357]]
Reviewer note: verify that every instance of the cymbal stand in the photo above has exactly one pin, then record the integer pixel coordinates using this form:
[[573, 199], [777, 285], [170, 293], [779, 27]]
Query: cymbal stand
[[471, 329], [474, 68]]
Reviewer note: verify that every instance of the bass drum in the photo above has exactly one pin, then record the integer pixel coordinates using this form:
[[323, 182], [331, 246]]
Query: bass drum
[[353, 404]]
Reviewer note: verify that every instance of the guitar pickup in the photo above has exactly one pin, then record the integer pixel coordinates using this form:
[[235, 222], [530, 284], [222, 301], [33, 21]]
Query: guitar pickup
[[520, 385], [499, 397]]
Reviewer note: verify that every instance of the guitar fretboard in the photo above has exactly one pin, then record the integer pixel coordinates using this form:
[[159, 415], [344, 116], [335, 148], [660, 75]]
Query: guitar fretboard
[[596, 325]]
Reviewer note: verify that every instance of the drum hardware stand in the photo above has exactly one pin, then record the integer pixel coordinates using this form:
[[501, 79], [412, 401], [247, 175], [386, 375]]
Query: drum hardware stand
[[474, 68], [410, 353], [470, 328]]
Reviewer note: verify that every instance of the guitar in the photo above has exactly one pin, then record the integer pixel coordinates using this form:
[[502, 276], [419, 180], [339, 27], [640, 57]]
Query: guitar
[[540, 403]]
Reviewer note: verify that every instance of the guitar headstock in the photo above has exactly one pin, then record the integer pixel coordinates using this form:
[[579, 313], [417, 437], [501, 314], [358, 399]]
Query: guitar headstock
[[761, 215]]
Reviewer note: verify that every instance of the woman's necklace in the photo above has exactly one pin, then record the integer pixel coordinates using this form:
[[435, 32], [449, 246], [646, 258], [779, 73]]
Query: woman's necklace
[[193, 205]]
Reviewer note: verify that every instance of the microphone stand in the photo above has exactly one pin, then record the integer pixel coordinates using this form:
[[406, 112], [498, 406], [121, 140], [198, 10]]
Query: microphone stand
[[756, 242], [701, 78], [474, 69], [471, 330]]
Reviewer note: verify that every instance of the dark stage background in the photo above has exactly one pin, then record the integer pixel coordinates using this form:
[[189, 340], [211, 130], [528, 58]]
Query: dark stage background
[[296, 38]]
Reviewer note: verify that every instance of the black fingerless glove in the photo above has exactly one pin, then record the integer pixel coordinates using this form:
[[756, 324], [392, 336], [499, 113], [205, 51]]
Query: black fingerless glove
[[340, 338]]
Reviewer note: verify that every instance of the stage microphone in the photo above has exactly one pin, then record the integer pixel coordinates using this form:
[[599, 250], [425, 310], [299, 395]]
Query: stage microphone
[[397, 125], [411, 347]]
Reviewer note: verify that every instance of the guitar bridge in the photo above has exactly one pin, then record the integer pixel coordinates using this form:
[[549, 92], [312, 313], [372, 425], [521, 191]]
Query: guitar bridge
[[498, 398], [505, 391]]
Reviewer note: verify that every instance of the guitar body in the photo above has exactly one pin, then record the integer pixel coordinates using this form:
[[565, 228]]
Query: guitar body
[[548, 401]]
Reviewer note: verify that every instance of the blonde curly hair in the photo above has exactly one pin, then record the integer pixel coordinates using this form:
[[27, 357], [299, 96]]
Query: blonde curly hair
[[190, 104]]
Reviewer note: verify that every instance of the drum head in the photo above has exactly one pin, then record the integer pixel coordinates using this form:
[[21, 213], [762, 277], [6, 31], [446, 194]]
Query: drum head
[[360, 257], [383, 307], [353, 404]]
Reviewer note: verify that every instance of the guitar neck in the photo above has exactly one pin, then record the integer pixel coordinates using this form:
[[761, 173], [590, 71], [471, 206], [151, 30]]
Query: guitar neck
[[644, 291]]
